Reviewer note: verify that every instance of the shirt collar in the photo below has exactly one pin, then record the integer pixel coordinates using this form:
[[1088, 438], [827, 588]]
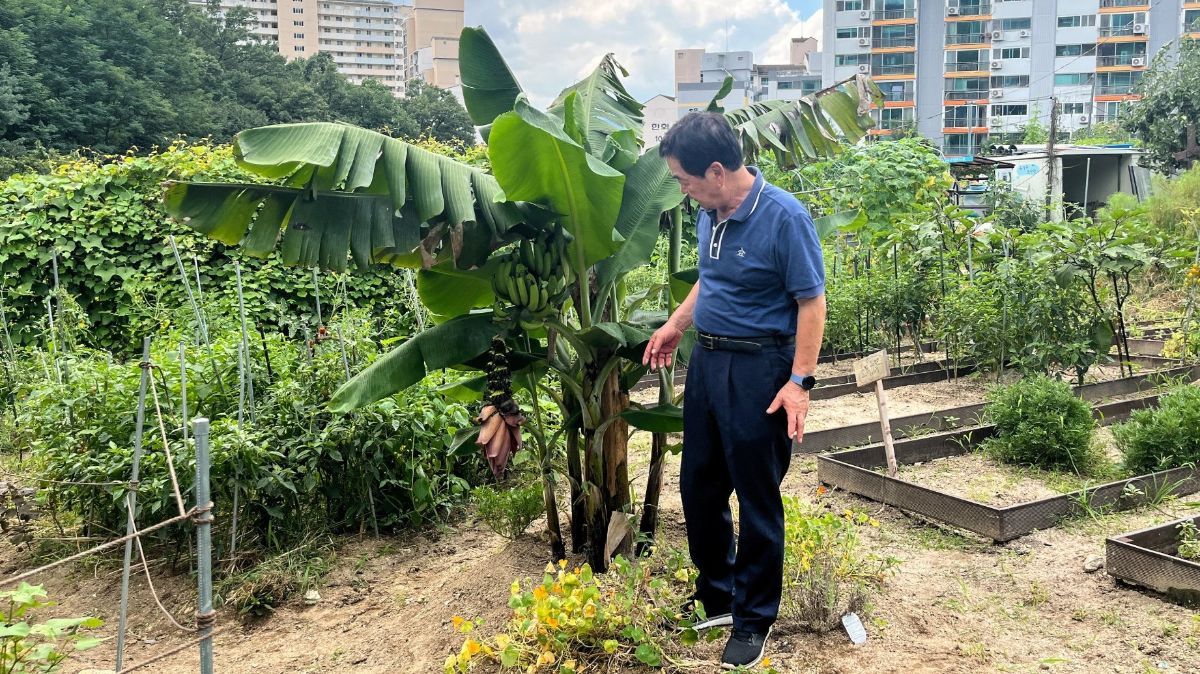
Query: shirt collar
[[746, 208]]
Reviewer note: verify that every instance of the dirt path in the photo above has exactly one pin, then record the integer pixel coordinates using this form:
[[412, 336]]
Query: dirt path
[[958, 604]]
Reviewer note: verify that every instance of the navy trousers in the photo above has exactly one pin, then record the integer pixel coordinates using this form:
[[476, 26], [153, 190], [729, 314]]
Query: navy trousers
[[732, 446]]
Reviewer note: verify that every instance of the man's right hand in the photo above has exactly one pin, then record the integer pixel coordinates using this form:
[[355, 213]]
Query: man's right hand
[[660, 350]]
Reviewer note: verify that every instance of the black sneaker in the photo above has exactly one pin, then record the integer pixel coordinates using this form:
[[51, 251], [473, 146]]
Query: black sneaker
[[744, 649], [692, 614]]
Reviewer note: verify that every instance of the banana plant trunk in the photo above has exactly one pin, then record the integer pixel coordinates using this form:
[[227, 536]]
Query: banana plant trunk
[[607, 479], [666, 395], [575, 477]]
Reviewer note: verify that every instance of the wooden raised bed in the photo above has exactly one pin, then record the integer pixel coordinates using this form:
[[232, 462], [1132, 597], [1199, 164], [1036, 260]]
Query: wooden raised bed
[[855, 471]]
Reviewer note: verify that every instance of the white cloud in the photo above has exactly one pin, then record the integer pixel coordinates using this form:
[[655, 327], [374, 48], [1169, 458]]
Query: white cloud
[[550, 45]]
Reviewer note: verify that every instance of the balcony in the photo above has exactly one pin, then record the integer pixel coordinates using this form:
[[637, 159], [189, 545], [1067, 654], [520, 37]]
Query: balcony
[[1123, 31], [893, 124], [888, 14], [968, 38], [889, 42], [973, 9], [965, 95], [1124, 3], [966, 67], [1114, 89], [1119, 60], [902, 69]]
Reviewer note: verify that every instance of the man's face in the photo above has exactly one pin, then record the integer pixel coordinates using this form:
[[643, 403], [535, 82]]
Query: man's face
[[705, 190]]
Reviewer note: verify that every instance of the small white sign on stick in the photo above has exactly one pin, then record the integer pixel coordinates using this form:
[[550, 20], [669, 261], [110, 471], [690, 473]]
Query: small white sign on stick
[[874, 368]]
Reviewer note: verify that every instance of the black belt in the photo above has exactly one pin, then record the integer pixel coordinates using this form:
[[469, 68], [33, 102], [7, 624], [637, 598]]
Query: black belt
[[744, 344]]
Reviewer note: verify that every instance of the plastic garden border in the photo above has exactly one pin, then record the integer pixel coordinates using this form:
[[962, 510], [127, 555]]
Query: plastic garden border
[[854, 471], [1148, 558]]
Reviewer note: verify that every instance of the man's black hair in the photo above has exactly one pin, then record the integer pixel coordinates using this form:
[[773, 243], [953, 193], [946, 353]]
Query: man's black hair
[[699, 139]]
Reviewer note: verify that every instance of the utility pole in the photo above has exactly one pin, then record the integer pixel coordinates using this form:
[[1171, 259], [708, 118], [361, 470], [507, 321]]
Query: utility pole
[[1050, 156]]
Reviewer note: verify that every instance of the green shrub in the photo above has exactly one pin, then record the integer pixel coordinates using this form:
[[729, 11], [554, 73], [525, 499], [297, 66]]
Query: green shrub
[[1163, 437], [509, 512], [1040, 422], [826, 573]]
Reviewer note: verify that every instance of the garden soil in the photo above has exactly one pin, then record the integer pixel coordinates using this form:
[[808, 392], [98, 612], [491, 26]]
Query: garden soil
[[958, 603]]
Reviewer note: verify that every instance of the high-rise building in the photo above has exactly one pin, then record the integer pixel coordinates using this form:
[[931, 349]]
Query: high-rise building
[[699, 75], [968, 72], [382, 40]]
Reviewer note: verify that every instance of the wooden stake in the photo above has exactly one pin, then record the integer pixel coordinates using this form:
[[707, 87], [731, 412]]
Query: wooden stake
[[886, 426], [874, 368]]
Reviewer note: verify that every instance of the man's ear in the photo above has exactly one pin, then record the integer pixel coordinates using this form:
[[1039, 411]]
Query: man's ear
[[718, 170]]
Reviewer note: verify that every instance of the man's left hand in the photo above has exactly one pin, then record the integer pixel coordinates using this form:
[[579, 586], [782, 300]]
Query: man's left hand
[[795, 400]]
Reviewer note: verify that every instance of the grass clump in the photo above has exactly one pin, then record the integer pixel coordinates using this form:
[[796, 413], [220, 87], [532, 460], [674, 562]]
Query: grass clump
[[1040, 422], [509, 512], [1163, 437]]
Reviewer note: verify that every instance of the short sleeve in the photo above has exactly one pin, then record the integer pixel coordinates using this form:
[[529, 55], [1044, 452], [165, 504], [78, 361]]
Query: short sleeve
[[799, 258]]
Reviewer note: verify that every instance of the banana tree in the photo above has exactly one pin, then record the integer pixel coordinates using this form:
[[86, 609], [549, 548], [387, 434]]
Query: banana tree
[[531, 258]]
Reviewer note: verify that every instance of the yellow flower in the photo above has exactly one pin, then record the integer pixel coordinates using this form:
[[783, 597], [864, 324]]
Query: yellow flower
[[562, 563], [539, 593], [457, 620], [472, 646], [766, 662]]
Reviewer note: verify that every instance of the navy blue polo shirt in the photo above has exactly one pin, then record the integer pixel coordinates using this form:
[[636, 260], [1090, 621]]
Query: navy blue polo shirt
[[756, 264]]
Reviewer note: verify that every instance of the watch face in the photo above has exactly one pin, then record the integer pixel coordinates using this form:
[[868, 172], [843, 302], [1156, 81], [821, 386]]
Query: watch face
[[808, 383]]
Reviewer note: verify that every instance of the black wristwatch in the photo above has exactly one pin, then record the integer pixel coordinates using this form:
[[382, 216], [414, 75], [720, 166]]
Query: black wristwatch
[[807, 382]]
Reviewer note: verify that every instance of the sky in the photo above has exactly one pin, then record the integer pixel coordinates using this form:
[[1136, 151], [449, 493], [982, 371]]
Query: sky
[[550, 44]]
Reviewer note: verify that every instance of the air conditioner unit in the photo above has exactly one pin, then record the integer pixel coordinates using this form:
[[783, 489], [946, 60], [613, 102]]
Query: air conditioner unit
[[1137, 61], [997, 35], [864, 42], [951, 11], [996, 65], [864, 68], [1024, 33], [1083, 119], [1139, 29], [864, 14], [997, 93], [996, 121]]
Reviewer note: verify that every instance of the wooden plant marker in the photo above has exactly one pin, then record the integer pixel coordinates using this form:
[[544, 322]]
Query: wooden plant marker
[[874, 368]]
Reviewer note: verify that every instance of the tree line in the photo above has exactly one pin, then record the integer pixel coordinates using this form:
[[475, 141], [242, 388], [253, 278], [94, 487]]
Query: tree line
[[111, 75]]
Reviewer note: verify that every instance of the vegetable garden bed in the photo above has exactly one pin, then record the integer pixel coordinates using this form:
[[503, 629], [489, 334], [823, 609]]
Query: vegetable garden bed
[[956, 417], [1149, 558], [855, 471]]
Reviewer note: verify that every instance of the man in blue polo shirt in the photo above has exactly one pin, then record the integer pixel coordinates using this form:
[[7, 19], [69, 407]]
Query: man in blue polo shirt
[[759, 313]]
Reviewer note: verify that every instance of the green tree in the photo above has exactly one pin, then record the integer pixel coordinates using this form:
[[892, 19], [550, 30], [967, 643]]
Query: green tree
[[1167, 118], [437, 113]]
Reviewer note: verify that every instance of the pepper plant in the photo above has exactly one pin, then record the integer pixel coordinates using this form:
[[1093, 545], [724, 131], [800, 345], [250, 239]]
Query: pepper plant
[[571, 205]]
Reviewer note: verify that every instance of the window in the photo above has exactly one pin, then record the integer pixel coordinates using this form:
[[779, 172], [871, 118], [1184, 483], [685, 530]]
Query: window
[[297, 23], [849, 5], [1076, 21], [964, 115], [299, 47], [1011, 53], [1074, 50], [1009, 110], [850, 59], [1191, 19], [1013, 24], [851, 33], [298, 36], [1073, 108], [297, 10], [1000, 81], [1072, 79]]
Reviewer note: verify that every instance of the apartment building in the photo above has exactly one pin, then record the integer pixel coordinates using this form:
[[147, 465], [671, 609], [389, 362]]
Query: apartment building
[[699, 75], [968, 72], [383, 40]]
